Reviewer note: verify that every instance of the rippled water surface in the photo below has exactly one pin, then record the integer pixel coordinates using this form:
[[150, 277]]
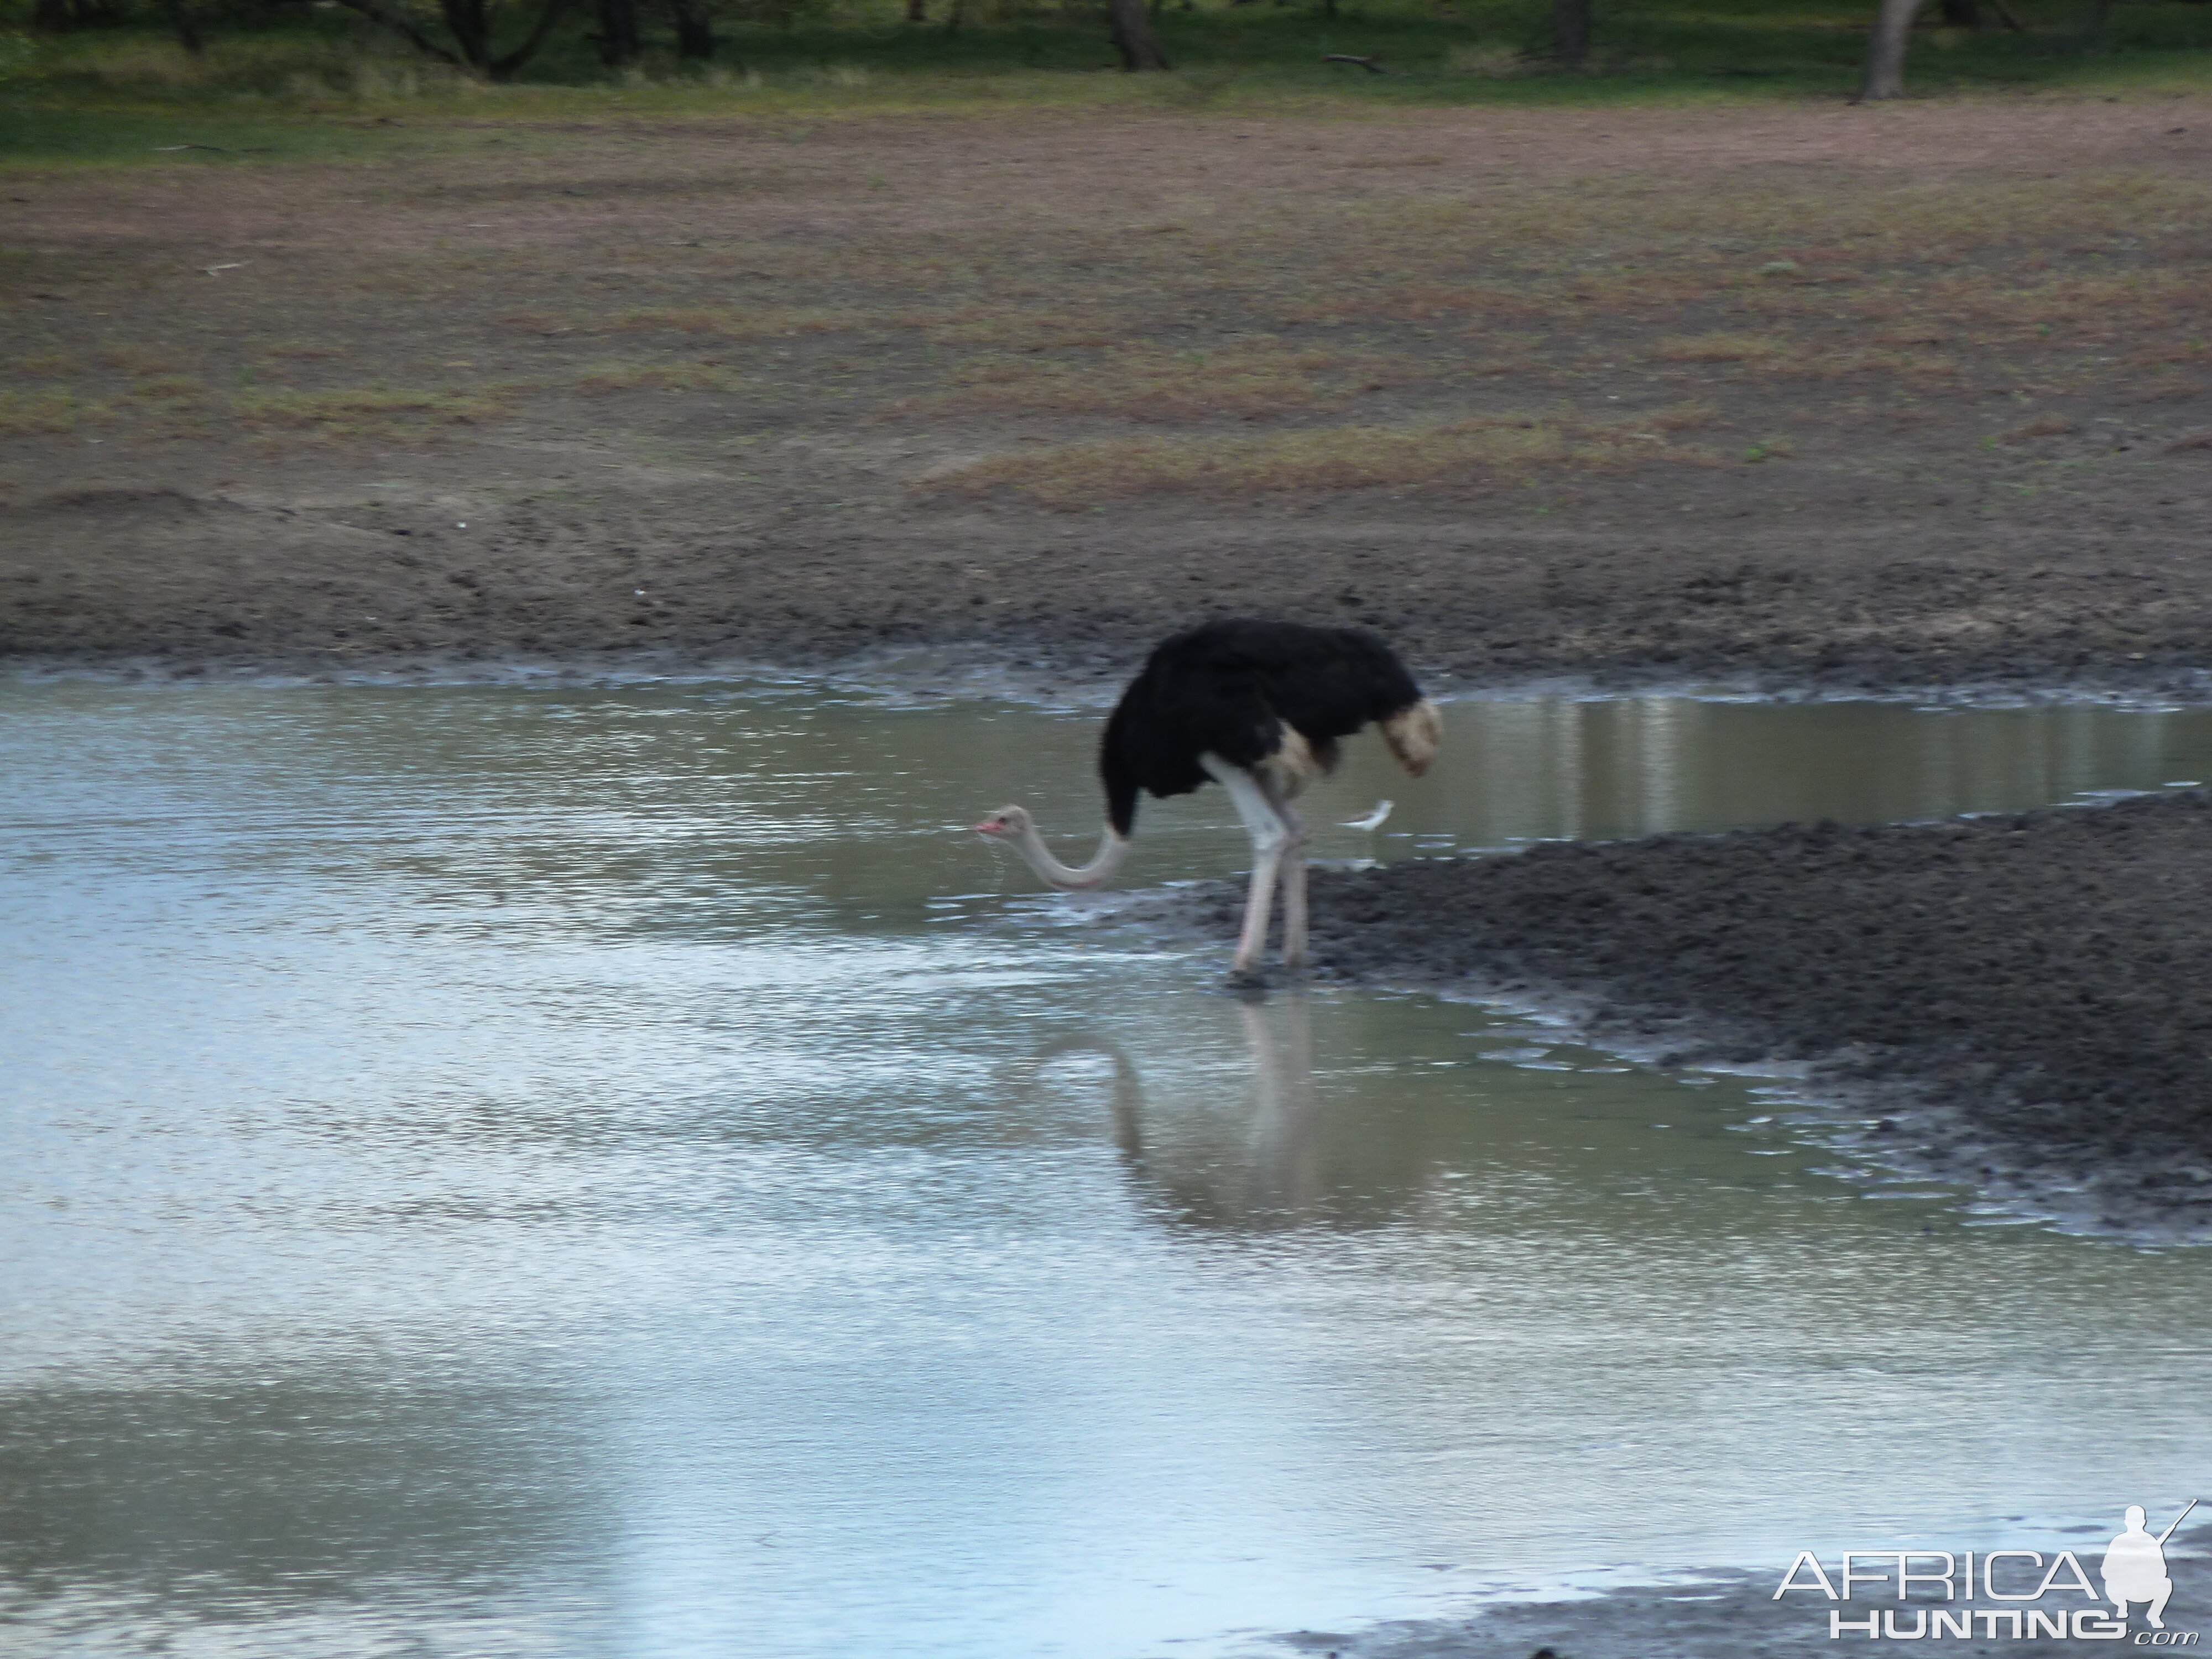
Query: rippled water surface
[[619, 1172]]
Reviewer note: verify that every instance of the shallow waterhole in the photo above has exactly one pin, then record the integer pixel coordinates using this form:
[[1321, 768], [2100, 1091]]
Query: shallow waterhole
[[621, 1171]]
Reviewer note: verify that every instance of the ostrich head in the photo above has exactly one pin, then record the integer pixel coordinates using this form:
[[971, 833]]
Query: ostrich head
[[1017, 830]]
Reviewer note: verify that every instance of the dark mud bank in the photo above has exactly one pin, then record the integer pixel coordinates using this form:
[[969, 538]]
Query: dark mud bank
[[2019, 1003], [434, 584]]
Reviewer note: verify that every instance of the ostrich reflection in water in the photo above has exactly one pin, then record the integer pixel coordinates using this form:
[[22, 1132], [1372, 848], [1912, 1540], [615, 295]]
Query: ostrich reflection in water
[[1289, 1170]]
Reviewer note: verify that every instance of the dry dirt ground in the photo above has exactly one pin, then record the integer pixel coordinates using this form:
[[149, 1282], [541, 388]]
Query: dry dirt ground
[[1798, 393]]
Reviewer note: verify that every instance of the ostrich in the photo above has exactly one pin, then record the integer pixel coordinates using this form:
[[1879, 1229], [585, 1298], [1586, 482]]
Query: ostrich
[[1259, 707]]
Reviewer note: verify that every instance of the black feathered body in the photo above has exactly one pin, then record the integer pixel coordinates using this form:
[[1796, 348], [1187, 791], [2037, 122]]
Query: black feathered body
[[1239, 690]]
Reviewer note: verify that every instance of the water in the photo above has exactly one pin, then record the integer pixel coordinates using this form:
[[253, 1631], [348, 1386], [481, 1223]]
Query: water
[[622, 1173]]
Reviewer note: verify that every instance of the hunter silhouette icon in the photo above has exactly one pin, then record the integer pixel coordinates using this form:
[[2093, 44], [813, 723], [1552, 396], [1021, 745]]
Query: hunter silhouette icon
[[2135, 1567]]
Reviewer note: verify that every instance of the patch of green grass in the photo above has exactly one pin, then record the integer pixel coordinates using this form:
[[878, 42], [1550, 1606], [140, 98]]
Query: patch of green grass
[[138, 357], [169, 389], [28, 414], [1247, 378], [703, 375], [1485, 451], [39, 130], [271, 91]]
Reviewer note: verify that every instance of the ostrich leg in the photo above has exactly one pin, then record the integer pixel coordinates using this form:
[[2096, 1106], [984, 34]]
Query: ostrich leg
[[1294, 883], [1294, 904], [1271, 838]]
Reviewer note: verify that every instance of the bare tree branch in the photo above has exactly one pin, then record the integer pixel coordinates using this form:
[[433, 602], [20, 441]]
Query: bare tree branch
[[1570, 32], [1131, 31], [400, 26], [522, 54]]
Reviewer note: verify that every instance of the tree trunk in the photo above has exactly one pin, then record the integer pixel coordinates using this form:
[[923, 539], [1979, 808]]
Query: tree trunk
[[917, 11], [695, 29], [617, 42], [1962, 14], [472, 31], [500, 67], [1885, 65], [50, 15], [1132, 36], [184, 25], [465, 19], [407, 31], [1570, 30]]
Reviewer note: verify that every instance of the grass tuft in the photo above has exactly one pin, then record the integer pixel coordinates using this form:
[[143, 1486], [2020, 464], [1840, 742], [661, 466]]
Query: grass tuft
[[1246, 379], [1722, 349], [134, 358], [25, 414], [2043, 426], [705, 375], [375, 412], [744, 322], [1487, 450]]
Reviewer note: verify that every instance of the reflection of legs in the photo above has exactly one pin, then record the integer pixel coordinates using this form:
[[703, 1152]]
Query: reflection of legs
[[1289, 1169], [1270, 837], [1279, 1037]]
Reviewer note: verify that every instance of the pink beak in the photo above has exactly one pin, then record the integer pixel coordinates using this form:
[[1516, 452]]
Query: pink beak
[[990, 826]]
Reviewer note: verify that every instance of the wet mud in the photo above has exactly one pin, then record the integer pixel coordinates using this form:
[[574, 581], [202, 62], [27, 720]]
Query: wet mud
[[181, 582]]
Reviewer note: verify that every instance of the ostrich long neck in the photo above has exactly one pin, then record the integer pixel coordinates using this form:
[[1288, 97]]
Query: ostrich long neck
[[1112, 849]]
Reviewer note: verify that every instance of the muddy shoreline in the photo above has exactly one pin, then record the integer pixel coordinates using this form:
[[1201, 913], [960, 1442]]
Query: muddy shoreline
[[160, 578], [2008, 1003]]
